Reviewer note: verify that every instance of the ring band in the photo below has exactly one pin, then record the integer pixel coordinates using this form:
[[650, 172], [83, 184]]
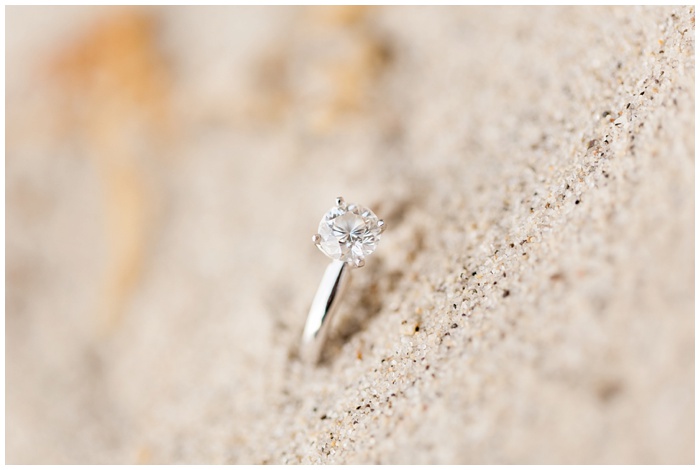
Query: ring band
[[325, 304]]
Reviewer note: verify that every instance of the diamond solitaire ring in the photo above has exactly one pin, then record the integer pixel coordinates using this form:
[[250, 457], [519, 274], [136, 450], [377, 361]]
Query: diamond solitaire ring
[[347, 234]]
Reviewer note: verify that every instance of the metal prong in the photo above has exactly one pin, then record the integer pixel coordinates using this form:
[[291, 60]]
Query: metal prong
[[316, 239], [359, 263], [381, 225], [340, 202]]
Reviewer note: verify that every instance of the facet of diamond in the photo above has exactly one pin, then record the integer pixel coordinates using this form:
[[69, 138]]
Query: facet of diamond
[[349, 233]]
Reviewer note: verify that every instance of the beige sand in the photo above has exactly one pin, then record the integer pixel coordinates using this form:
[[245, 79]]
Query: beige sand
[[531, 301]]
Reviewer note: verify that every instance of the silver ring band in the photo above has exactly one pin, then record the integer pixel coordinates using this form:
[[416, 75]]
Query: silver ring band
[[325, 303]]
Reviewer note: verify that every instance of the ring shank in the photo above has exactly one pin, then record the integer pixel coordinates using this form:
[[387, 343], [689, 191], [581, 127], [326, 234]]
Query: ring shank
[[323, 307]]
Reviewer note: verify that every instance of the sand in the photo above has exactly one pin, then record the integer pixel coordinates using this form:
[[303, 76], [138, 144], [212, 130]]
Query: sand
[[531, 300]]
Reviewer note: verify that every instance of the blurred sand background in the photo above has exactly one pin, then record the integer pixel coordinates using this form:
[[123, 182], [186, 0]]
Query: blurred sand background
[[532, 298]]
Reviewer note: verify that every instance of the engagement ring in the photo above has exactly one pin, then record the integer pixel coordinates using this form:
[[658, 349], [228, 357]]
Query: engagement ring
[[347, 234]]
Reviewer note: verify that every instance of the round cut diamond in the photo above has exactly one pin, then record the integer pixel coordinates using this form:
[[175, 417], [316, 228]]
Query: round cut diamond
[[349, 233]]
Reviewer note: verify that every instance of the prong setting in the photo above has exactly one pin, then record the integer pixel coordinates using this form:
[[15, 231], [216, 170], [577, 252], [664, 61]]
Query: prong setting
[[348, 232], [381, 225]]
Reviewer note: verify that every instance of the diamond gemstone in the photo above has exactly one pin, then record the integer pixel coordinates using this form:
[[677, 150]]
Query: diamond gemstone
[[349, 233]]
